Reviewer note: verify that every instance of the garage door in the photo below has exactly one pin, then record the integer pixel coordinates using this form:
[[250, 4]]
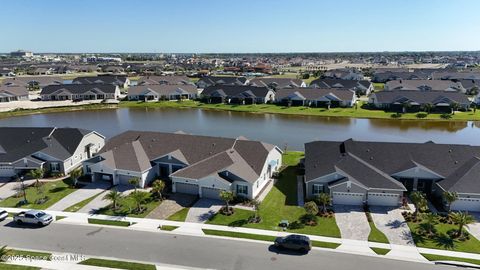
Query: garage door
[[383, 199], [347, 198], [123, 179], [466, 204], [211, 193], [186, 188], [6, 171]]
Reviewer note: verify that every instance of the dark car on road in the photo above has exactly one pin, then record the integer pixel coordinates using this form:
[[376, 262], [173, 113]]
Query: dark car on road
[[294, 242]]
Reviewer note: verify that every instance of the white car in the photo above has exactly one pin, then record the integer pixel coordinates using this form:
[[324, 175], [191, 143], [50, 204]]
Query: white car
[[33, 217], [3, 214]]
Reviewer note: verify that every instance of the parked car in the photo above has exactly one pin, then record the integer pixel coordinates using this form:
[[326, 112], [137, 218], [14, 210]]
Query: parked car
[[294, 242], [33, 217], [3, 215]]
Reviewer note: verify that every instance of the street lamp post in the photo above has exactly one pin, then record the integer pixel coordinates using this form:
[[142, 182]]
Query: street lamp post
[[24, 191]]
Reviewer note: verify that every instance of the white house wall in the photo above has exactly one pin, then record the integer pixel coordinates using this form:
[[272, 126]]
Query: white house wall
[[80, 154]]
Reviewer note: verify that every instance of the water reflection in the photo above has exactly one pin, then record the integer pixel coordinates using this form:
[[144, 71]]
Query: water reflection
[[282, 130]]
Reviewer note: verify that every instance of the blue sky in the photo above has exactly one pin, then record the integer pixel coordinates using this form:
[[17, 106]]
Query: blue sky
[[239, 26]]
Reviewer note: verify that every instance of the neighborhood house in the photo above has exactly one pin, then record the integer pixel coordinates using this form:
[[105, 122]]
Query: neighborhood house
[[198, 165], [156, 92], [241, 94], [80, 91], [316, 97], [13, 93]]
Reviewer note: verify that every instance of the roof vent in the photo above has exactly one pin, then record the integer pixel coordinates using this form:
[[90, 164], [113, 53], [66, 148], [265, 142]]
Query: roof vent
[[371, 158], [449, 150], [456, 162], [368, 150]]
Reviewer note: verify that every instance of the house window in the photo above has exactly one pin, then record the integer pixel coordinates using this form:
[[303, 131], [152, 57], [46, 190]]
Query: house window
[[55, 167], [317, 189], [241, 189]]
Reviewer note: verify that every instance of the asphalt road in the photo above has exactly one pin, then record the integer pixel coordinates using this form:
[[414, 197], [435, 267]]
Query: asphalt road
[[184, 250]]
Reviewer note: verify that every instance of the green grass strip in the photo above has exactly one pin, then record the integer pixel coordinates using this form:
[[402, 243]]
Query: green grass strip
[[118, 264], [432, 257], [380, 251], [109, 222], [168, 228]]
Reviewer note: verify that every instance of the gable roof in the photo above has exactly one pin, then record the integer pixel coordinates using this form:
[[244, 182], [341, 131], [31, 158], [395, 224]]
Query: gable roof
[[236, 91], [116, 80], [276, 83], [222, 80], [315, 93], [421, 97], [79, 88], [179, 80], [9, 91], [42, 81], [162, 89], [341, 84], [424, 85]]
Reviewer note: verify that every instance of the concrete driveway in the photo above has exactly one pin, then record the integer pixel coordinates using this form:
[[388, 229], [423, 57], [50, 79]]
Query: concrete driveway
[[9, 188], [390, 221], [474, 228], [352, 222], [173, 204], [81, 194], [202, 210], [99, 202]]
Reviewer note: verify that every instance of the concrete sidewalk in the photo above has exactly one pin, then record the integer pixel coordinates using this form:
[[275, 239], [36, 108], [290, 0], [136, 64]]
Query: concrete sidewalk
[[400, 252]]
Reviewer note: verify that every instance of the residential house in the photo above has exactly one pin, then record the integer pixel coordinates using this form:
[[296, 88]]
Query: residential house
[[277, 83], [425, 85], [13, 93], [198, 165], [454, 75], [207, 81], [156, 92], [80, 91], [33, 83], [413, 100], [237, 94], [316, 97], [472, 87], [174, 80], [56, 150], [361, 87], [344, 74], [385, 76], [379, 173], [120, 81]]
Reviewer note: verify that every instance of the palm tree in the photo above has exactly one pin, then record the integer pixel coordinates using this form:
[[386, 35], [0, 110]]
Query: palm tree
[[227, 197], [406, 106], [324, 199], [418, 198], [430, 220], [36, 174], [134, 182], [157, 188], [462, 219], [74, 175], [4, 252], [454, 107], [139, 198], [428, 107], [450, 197], [114, 196]]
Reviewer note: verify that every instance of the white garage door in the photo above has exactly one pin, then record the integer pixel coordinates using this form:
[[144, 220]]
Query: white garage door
[[383, 199], [212, 193], [466, 204], [347, 198], [6, 171], [123, 179], [186, 188]]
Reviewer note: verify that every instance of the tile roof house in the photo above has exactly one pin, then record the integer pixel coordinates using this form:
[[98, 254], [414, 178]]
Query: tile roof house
[[56, 150], [361, 87], [237, 94], [199, 165], [178, 80], [316, 97], [156, 92], [378, 173], [80, 91], [207, 81], [120, 81], [277, 83], [425, 85], [415, 100], [13, 93]]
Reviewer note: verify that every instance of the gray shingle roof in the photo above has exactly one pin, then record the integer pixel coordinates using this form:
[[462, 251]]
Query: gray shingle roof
[[79, 88], [163, 89], [433, 85], [342, 84], [314, 93], [276, 83], [179, 80], [115, 80], [421, 97], [236, 91]]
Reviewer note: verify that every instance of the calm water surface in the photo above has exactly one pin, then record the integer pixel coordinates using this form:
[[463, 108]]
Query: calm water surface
[[277, 129]]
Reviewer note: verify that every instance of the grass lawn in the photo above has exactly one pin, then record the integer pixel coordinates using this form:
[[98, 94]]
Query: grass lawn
[[181, 215], [280, 204], [118, 264], [126, 206], [443, 241], [296, 110], [54, 190], [80, 205], [432, 257], [380, 251], [378, 86], [57, 218], [325, 244], [168, 228], [109, 222], [376, 235], [4, 266], [19, 112]]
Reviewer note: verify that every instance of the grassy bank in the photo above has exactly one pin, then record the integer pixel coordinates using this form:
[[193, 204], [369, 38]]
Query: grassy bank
[[117, 264], [304, 111], [21, 112]]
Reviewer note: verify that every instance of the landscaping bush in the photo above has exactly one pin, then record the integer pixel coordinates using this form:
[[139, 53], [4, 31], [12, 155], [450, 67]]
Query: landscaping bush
[[454, 235], [254, 219], [421, 115], [446, 116], [42, 200], [227, 211], [396, 115], [296, 225], [309, 220]]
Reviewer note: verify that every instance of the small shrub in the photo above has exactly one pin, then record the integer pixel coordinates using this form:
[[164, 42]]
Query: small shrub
[[421, 115], [227, 212], [446, 116], [396, 115], [296, 225], [254, 219], [309, 220]]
